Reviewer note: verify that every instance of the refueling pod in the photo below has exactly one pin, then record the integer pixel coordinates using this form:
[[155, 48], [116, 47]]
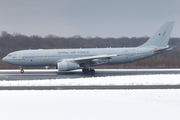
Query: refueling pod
[[66, 66]]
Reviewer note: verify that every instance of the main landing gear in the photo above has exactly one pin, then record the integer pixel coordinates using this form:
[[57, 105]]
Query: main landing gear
[[22, 71], [86, 71]]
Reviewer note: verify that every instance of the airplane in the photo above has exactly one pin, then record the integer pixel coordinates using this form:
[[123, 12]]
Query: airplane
[[72, 59]]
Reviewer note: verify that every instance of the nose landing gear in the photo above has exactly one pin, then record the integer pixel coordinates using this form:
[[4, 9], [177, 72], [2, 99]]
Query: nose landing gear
[[22, 71]]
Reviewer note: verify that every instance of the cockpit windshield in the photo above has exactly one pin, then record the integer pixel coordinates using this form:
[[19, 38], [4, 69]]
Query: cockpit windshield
[[10, 55]]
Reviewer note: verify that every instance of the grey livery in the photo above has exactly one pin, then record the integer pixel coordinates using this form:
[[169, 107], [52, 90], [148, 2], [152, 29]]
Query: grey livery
[[71, 59]]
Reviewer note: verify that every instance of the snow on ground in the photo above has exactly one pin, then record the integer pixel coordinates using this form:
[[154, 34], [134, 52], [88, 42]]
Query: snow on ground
[[90, 105], [116, 80], [161, 104]]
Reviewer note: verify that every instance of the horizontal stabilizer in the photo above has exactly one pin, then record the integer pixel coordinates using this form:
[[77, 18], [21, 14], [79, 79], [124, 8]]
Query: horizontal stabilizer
[[160, 50]]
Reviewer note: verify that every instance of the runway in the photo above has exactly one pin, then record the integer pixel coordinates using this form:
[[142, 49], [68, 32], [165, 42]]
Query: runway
[[15, 75], [112, 87], [54, 74]]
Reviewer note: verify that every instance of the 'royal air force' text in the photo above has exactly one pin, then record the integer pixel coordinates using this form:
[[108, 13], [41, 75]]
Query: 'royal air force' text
[[73, 52]]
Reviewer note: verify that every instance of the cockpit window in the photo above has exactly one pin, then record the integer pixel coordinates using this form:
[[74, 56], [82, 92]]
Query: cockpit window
[[9, 55]]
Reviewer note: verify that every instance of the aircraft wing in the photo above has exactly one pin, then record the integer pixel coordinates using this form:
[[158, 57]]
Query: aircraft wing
[[91, 58]]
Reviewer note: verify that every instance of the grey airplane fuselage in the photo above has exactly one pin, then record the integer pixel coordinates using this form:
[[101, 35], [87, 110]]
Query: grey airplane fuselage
[[50, 57]]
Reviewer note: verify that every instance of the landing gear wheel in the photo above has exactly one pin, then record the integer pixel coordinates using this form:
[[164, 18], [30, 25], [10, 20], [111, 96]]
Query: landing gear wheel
[[85, 70], [22, 71], [92, 71]]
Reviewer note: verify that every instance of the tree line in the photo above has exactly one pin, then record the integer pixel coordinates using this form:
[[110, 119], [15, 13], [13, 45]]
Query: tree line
[[16, 41]]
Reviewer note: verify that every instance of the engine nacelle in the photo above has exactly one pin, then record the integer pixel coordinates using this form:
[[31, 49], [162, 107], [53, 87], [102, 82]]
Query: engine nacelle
[[65, 66]]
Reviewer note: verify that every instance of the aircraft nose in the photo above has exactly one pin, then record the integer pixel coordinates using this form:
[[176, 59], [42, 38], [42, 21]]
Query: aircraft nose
[[4, 59]]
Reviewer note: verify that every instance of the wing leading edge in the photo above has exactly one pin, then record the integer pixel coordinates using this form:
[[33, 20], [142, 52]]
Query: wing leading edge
[[91, 58]]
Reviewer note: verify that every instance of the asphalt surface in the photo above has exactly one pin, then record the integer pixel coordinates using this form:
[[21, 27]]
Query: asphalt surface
[[54, 74], [109, 87], [6, 75]]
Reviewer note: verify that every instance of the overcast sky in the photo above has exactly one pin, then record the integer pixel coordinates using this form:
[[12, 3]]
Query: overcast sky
[[103, 18]]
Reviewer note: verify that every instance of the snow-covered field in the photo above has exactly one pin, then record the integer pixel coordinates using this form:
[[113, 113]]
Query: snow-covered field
[[90, 105], [156, 104]]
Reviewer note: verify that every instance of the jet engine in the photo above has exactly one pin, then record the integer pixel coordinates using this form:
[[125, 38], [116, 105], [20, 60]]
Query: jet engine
[[65, 66]]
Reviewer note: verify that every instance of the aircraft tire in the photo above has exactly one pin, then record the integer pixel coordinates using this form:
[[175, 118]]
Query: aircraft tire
[[92, 71], [22, 71], [86, 71]]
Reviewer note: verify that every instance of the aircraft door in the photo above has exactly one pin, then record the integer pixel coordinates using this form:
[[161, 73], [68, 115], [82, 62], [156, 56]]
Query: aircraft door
[[138, 53], [45, 55], [19, 56]]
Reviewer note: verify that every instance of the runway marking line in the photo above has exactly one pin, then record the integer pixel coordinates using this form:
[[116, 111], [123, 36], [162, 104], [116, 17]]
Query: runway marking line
[[5, 77], [25, 74]]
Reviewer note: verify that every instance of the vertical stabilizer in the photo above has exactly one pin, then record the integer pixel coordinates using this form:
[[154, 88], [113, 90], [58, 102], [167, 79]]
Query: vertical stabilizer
[[161, 37]]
